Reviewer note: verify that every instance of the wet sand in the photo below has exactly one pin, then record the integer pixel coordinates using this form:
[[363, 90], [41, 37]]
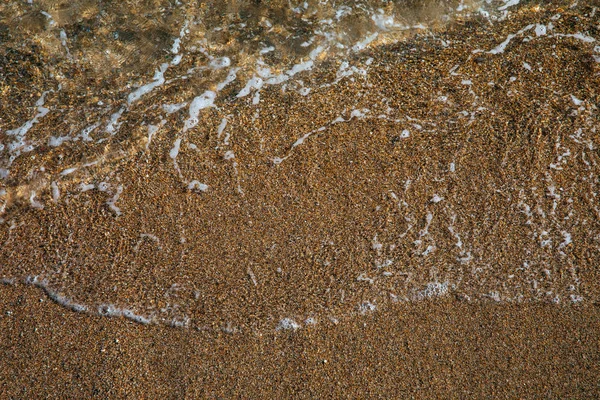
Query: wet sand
[[429, 228], [423, 350]]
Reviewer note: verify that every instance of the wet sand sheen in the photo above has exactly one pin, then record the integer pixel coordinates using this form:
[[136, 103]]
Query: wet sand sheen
[[440, 172]]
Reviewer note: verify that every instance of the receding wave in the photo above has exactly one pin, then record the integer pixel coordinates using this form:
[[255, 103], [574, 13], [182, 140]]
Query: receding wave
[[269, 165]]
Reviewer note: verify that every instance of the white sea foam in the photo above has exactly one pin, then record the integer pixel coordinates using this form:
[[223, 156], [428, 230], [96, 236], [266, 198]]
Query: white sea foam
[[19, 133], [113, 123], [157, 81], [508, 3], [288, 324], [433, 289], [112, 201], [502, 46], [110, 310], [196, 185], [54, 295], [172, 108], [366, 307], [55, 191], [205, 100]]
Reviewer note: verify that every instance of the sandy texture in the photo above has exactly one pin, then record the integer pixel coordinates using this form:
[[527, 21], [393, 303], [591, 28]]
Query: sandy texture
[[425, 350], [427, 228]]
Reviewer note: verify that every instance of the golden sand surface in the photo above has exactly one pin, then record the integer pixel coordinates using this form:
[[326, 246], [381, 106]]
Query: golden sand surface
[[441, 349], [427, 229]]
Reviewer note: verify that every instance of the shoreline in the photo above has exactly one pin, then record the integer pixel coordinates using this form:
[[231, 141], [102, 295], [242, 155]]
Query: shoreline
[[420, 219], [433, 349]]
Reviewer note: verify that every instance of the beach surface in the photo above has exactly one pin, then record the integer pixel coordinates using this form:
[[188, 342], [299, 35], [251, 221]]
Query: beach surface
[[263, 201], [424, 350]]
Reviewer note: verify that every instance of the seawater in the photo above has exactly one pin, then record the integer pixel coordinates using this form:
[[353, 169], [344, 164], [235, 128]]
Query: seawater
[[122, 55]]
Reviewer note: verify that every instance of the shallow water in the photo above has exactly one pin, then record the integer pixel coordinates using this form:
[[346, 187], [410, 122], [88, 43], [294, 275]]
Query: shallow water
[[159, 161]]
